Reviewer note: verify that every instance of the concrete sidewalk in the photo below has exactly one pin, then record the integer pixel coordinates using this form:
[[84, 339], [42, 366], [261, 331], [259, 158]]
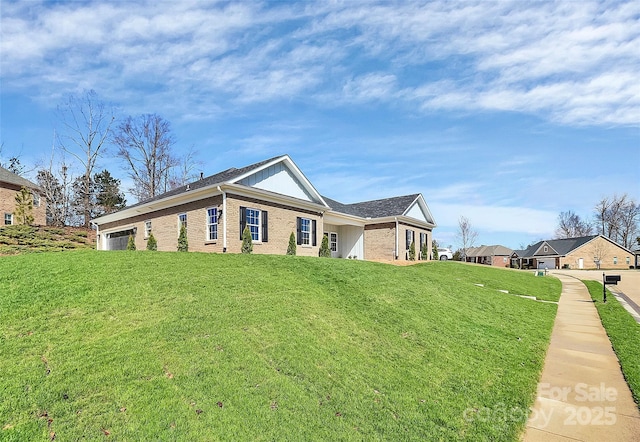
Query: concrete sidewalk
[[582, 395]]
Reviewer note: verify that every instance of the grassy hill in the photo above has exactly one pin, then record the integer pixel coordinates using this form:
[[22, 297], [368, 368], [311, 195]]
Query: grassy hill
[[25, 239], [190, 346]]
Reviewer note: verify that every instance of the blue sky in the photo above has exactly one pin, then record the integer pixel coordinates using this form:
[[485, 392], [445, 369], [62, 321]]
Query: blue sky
[[504, 112]]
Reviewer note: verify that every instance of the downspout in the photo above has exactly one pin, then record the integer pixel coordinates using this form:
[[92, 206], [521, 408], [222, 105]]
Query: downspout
[[396, 250], [97, 235], [224, 219]]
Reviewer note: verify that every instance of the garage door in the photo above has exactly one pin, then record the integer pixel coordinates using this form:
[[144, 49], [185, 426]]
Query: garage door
[[549, 263], [118, 240]]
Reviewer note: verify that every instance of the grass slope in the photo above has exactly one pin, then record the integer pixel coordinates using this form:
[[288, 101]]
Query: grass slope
[[189, 346], [623, 332]]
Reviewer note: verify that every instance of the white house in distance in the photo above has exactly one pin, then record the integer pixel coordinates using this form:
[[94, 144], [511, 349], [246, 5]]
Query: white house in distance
[[274, 199]]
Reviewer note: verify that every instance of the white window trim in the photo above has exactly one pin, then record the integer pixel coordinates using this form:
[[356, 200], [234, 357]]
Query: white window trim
[[308, 232], [186, 221], [147, 231], [208, 224], [10, 218], [331, 242], [259, 217]]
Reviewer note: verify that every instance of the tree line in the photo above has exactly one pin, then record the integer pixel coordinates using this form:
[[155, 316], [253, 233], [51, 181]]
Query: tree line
[[616, 217], [76, 186]]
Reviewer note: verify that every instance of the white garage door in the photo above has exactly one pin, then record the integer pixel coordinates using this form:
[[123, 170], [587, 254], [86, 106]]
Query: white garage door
[[549, 263]]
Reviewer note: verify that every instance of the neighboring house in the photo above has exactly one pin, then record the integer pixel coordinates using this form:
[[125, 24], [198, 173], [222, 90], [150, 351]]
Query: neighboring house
[[10, 185], [586, 252], [490, 255], [273, 198]]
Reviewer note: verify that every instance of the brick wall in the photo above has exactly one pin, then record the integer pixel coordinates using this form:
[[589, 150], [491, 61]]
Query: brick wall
[[379, 241], [8, 205], [603, 248], [164, 226]]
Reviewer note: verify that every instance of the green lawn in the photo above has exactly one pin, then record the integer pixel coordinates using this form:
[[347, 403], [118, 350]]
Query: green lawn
[[624, 334], [190, 346]]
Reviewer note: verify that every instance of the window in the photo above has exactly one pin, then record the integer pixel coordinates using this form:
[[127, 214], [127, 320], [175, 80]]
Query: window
[[628, 260], [410, 236], [257, 221], [306, 232], [615, 260], [546, 249], [36, 199], [147, 229], [212, 224], [8, 219], [182, 221], [333, 242]]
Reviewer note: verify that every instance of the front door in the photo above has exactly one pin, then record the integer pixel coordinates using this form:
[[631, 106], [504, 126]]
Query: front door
[[333, 244], [581, 263]]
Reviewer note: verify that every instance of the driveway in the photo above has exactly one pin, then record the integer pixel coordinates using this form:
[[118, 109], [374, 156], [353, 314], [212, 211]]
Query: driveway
[[629, 281]]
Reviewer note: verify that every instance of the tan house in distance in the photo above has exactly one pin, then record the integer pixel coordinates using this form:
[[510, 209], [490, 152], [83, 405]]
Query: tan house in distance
[[274, 199], [496, 255], [10, 185], [586, 252]]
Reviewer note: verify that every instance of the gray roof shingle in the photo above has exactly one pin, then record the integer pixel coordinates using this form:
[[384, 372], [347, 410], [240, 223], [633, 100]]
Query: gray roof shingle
[[394, 206], [559, 247], [6, 176]]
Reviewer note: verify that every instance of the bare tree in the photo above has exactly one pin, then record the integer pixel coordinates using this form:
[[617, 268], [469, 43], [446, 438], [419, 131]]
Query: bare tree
[[55, 184], [88, 122], [185, 170], [571, 226], [466, 235], [618, 218], [146, 143]]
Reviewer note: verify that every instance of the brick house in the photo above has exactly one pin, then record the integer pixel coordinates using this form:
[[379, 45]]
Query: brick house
[[586, 252], [496, 255], [274, 199], [10, 185]]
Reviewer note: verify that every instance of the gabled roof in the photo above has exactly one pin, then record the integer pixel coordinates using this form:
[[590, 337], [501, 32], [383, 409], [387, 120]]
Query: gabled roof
[[556, 247], [395, 206], [6, 176], [496, 250]]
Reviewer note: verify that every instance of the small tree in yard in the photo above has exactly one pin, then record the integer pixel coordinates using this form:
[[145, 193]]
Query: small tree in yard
[[247, 241], [152, 244], [183, 243], [291, 250], [131, 244], [24, 207], [434, 245], [324, 247], [424, 253], [412, 251]]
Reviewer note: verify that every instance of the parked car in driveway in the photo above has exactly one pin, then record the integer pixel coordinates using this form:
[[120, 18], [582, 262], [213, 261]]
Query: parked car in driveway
[[444, 254]]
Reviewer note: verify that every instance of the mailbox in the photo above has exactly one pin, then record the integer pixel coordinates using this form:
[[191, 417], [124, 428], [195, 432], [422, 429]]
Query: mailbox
[[608, 279], [612, 279]]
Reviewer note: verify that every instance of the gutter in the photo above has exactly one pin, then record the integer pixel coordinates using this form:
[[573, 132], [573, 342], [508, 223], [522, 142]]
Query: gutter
[[224, 219], [396, 250]]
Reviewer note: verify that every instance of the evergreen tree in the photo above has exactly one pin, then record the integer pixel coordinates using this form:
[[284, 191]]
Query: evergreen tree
[[412, 251], [24, 207], [291, 250], [109, 198], [131, 244], [183, 243], [152, 244], [434, 245], [424, 253], [247, 241], [324, 247]]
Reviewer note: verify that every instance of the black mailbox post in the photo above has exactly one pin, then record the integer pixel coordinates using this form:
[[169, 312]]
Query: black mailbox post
[[608, 279]]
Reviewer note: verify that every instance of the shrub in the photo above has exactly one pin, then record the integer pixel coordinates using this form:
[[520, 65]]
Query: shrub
[[324, 248], [424, 253], [434, 246], [24, 207], [131, 244], [183, 242], [291, 250], [247, 241], [152, 244], [412, 251]]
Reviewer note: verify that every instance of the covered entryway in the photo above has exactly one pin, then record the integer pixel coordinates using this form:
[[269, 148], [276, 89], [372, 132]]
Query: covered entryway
[[118, 240]]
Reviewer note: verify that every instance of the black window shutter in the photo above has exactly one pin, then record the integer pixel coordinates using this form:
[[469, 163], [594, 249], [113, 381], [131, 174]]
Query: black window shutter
[[243, 219], [265, 226], [408, 235], [313, 232], [298, 230]]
